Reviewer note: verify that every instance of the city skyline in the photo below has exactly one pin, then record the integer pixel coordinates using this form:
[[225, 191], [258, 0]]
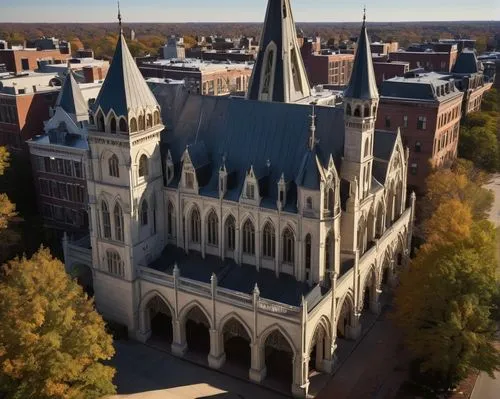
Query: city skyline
[[168, 11]]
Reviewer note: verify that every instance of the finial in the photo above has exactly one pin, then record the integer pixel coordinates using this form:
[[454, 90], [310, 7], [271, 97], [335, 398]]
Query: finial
[[312, 139], [119, 18], [364, 15]]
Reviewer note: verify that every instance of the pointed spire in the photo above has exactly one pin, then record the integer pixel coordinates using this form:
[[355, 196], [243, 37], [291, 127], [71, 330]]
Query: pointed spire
[[279, 73], [124, 88], [364, 15], [71, 100], [312, 139], [362, 84], [119, 18]]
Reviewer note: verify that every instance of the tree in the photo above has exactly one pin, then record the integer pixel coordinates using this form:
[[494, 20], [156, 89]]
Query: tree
[[51, 338], [480, 145], [7, 210], [444, 305]]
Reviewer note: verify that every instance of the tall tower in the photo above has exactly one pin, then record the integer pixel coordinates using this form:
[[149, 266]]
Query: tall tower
[[279, 73], [360, 107], [125, 184]]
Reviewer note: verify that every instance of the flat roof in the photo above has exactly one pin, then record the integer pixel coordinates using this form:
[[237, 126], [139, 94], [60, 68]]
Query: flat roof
[[200, 64]]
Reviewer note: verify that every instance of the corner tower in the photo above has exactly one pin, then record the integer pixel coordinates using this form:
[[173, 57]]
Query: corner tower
[[360, 110], [125, 185], [279, 73]]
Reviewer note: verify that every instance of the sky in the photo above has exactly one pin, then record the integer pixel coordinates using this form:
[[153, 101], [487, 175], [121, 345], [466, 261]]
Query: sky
[[245, 10]]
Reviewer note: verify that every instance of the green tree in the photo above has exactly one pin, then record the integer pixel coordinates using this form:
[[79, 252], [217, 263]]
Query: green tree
[[52, 340], [445, 301], [480, 145]]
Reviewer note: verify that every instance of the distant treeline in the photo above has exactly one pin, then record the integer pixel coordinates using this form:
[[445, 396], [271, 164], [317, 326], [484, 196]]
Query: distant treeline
[[101, 37]]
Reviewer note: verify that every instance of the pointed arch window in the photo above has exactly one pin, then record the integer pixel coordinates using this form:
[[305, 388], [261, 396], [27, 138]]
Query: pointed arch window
[[118, 216], [230, 230], [115, 264], [269, 241], [288, 246], [309, 203], [144, 213], [106, 220], [308, 251], [357, 111], [367, 147], [171, 227], [367, 111], [195, 226], [249, 238], [133, 125], [112, 125], [348, 110], [268, 71], [329, 252], [149, 120], [156, 118], [213, 229], [114, 169], [141, 122], [143, 166], [123, 125], [100, 121], [329, 201]]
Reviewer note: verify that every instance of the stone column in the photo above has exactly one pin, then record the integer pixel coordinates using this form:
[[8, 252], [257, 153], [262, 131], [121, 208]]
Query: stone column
[[143, 333], [203, 227], [179, 344], [320, 352], [354, 328], [392, 279], [237, 245], [258, 370], [375, 302], [217, 356], [300, 385]]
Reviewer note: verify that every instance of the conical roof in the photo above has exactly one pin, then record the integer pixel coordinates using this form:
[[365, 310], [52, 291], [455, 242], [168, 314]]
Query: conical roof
[[71, 100], [362, 84], [124, 88], [279, 73]]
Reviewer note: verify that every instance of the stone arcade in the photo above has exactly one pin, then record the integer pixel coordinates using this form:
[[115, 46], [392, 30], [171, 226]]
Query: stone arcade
[[257, 230]]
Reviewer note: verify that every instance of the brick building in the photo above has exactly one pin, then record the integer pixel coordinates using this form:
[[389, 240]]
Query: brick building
[[438, 58], [384, 48], [202, 77], [28, 59], [426, 108], [389, 70], [334, 69]]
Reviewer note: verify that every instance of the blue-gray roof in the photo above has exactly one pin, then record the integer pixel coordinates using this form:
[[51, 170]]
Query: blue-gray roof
[[466, 63], [308, 176], [124, 88], [256, 133], [71, 100], [363, 84], [383, 145]]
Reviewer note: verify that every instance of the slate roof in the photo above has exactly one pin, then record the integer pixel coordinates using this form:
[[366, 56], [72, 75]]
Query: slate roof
[[256, 133], [309, 176], [124, 88], [362, 84], [276, 29], [383, 145], [71, 100], [466, 63]]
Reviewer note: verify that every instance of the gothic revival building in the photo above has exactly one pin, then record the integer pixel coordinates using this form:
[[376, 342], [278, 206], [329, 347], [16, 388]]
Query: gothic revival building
[[257, 230]]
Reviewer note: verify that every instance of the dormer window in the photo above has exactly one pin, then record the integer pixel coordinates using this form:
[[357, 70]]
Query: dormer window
[[250, 191], [189, 180], [309, 203]]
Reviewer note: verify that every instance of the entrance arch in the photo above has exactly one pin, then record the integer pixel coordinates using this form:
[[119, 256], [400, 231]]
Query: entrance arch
[[320, 347], [197, 328], [279, 356], [236, 341], [159, 317], [345, 316]]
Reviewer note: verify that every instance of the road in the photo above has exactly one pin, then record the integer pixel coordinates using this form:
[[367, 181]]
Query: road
[[487, 387], [147, 373]]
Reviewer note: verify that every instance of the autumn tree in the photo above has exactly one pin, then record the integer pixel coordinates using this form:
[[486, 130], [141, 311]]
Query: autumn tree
[[52, 340], [445, 300], [7, 210]]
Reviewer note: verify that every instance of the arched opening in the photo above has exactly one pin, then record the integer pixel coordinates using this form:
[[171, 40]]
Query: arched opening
[[399, 199], [278, 357], [319, 349], [236, 343], [367, 111], [367, 147], [100, 121], [157, 118], [212, 229], [288, 246], [309, 203], [380, 222], [249, 238], [83, 275], [149, 120], [123, 125], [268, 241], [330, 252], [114, 166], [143, 166], [112, 125], [133, 125], [357, 111], [348, 110], [344, 319], [195, 230], [141, 122], [118, 216], [230, 234], [144, 213], [371, 226], [197, 331], [161, 320]]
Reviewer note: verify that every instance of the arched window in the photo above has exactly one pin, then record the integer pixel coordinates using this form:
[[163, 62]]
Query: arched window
[[374, 111], [143, 165], [269, 241], [309, 203], [357, 111], [157, 118], [144, 213], [348, 110], [133, 125], [213, 229], [367, 147], [118, 214], [249, 238], [123, 125], [112, 125], [149, 120], [91, 118], [114, 169], [266, 81], [171, 228], [329, 259], [288, 246], [152, 202], [106, 220], [329, 201], [195, 226], [115, 264], [367, 111], [230, 230], [100, 121], [141, 122], [308, 251]]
